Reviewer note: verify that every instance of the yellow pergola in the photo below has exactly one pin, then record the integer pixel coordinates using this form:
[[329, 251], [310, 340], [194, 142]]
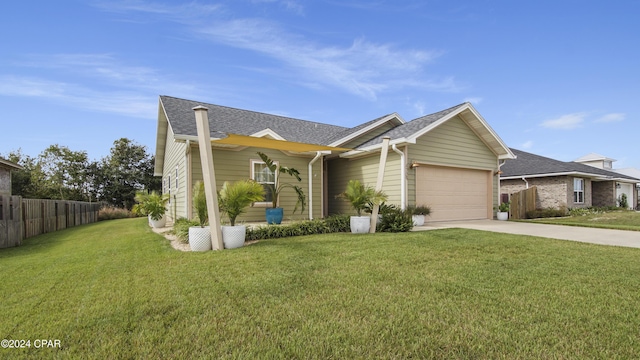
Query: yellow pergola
[[268, 143]]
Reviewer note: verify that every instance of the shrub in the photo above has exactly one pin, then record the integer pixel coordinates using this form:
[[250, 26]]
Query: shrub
[[419, 210], [181, 229], [309, 227], [623, 202], [338, 223], [112, 213], [545, 213], [395, 220]]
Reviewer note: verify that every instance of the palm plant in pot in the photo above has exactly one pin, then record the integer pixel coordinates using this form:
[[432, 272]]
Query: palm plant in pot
[[360, 197], [200, 236], [274, 188], [233, 199], [503, 211], [154, 205], [418, 214]]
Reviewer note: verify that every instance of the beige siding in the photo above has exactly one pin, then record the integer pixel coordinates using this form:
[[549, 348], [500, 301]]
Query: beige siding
[[451, 144], [174, 158], [232, 165], [364, 169]]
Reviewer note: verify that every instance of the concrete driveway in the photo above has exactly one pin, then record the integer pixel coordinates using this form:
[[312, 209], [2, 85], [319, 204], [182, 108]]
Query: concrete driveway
[[574, 233]]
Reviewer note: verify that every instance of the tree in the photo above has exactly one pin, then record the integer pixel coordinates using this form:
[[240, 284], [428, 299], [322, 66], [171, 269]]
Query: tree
[[65, 173], [60, 173], [126, 170]]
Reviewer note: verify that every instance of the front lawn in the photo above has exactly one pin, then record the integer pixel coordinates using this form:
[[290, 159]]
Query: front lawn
[[616, 219], [117, 290]]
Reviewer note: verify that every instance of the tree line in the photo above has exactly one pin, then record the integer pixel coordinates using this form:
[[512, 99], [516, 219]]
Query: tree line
[[61, 173]]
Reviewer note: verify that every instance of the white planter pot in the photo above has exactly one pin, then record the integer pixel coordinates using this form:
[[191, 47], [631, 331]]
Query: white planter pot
[[502, 215], [418, 220], [158, 223], [233, 236], [200, 238], [360, 224]]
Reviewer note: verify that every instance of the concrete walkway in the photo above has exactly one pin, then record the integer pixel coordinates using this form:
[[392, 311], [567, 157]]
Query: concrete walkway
[[574, 233]]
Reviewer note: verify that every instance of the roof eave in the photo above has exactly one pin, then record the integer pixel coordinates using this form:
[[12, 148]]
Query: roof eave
[[566, 173], [375, 125], [10, 164], [375, 148]]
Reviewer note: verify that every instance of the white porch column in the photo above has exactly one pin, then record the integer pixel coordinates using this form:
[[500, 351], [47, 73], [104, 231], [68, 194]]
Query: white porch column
[[208, 173], [383, 163]]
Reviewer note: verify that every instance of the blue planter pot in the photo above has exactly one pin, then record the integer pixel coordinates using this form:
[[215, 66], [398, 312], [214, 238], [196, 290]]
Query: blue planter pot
[[274, 215]]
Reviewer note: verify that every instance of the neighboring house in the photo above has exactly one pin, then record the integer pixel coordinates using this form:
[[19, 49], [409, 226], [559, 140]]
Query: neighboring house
[[566, 184], [448, 160], [603, 162], [5, 175]]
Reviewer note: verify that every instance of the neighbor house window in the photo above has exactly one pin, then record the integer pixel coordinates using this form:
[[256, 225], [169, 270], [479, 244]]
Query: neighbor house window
[[578, 191], [176, 178], [261, 173]]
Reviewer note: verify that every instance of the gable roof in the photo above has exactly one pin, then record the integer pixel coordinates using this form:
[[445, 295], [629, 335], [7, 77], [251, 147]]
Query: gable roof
[[531, 165], [409, 132]]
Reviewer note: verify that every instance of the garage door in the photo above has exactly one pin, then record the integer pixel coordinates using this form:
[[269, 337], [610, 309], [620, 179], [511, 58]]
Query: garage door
[[454, 193]]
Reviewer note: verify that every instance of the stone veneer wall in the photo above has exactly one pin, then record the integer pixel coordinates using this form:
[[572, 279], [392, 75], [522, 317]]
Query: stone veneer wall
[[553, 192]]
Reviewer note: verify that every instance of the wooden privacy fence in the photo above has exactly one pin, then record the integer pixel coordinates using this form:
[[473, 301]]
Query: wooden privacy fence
[[521, 202], [24, 218]]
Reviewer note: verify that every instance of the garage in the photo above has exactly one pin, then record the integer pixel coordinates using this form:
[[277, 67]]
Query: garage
[[454, 193]]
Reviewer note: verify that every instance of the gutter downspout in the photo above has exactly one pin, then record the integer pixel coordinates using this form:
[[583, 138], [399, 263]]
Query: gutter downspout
[[318, 155], [403, 175], [526, 182]]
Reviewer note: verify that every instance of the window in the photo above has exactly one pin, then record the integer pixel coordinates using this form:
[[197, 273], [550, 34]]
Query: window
[[578, 191], [176, 177], [261, 173]]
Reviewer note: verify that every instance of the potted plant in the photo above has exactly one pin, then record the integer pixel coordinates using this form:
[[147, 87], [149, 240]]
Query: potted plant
[[418, 214], [154, 205], [233, 200], [274, 214], [360, 197], [200, 236], [503, 211]]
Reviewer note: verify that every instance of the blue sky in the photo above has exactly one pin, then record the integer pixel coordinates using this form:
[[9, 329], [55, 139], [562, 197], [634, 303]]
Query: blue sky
[[556, 78]]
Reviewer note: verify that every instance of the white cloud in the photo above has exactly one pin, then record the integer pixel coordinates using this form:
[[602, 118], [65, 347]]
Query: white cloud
[[122, 102], [566, 122], [363, 68], [613, 117], [289, 5], [527, 144], [114, 87], [419, 106]]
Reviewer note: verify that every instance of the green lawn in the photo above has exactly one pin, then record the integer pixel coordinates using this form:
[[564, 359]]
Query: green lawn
[[117, 290], [620, 219]]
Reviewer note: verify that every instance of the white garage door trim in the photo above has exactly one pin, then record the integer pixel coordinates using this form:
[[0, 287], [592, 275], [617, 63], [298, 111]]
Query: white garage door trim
[[455, 193]]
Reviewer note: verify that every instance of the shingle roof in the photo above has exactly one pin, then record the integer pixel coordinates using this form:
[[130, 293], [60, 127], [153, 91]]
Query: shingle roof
[[527, 164], [353, 130], [226, 120], [412, 127]]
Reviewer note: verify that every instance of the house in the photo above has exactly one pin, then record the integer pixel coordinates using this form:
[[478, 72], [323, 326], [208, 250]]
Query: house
[[603, 162], [5, 175], [448, 160], [567, 184]]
